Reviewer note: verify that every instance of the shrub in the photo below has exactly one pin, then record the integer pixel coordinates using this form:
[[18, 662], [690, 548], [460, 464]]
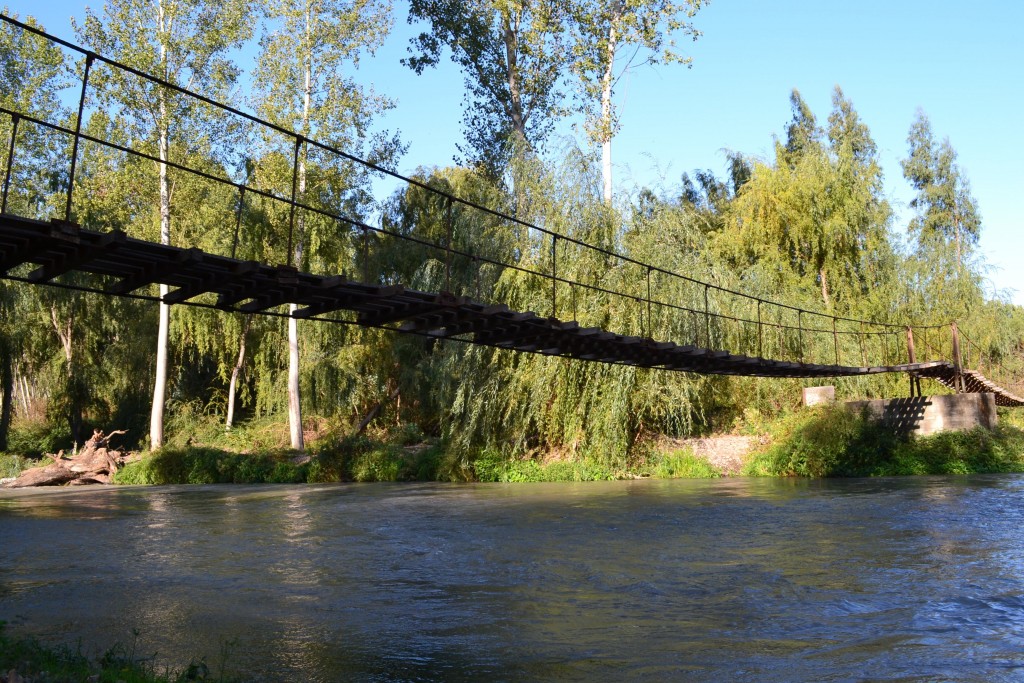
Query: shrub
[[210, 466], [833, 442], [33, 438], [11, 465], [491, 466]]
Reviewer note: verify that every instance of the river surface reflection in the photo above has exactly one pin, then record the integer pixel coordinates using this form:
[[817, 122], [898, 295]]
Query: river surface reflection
[[732, 579]]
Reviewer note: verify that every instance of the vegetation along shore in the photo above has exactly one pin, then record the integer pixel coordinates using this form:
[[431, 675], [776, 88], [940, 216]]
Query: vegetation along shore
[[231, 395], [828, 441]]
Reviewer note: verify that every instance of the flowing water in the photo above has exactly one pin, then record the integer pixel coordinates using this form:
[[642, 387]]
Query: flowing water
[[731, 580]]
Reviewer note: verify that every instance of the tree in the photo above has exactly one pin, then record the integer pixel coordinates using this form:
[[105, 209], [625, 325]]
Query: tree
[[602, 30], [803, 135], [302, 86], [946, 211], [818, 213], [511, 54], [183, 42], [32, 73]]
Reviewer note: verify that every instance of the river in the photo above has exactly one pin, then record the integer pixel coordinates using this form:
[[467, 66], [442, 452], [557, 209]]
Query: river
[[723, 580]]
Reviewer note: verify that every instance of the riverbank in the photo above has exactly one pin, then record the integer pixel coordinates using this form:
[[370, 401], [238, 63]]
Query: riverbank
[[26, 660], [821, 442]]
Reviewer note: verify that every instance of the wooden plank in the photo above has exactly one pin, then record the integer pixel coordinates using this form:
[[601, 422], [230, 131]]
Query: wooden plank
[[156, 271], [405, 311], [81, 255], [211, 280]]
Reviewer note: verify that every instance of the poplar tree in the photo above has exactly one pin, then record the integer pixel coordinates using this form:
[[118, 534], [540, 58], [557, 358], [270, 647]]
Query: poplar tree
[[511, 55], [602, 31], [183, 42], [302, 84], [945, 209]]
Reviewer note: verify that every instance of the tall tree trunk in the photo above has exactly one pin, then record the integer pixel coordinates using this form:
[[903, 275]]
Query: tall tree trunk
[[606, 113], [511, 35], [156, 418], [235, 372], [294, 395], [26, 394]]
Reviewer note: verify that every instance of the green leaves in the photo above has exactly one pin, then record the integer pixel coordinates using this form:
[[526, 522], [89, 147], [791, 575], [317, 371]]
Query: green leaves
[[945, 210], [819, 213], [512, 54]]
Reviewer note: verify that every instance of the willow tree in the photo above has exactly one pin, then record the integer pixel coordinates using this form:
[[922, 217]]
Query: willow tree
[[31, 76], [511, 55], [817, 214], [303, 84], [604, 30], [185, 43]]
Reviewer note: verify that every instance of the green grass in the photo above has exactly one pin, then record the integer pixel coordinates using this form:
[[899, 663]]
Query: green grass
[[359, 458], [404, 457], [34, 661], [833, 442], [824, 442], [492, 466], [11, 465], [211, 466], [683, 464]]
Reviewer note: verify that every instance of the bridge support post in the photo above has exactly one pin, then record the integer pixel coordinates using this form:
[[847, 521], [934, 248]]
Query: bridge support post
[[10, 161], [78, 134], [915, 381], [958, 363]]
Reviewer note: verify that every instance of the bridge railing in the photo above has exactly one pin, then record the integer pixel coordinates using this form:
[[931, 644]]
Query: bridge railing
[[1003, 370], [255, 189]]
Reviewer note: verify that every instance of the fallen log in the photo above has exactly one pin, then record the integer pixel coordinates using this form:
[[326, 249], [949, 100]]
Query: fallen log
[[96, 463]]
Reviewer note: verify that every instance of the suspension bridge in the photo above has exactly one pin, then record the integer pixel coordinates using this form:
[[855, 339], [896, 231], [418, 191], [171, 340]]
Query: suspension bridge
[[677, 322]]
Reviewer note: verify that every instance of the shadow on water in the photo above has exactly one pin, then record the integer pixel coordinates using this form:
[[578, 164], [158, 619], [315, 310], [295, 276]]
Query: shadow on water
[[733, 579]]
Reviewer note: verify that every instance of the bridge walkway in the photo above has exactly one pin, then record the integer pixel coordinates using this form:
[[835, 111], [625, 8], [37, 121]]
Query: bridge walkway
[[125, 265]]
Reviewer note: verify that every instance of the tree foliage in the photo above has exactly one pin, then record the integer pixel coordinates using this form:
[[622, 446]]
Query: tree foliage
[[945, 210], [511, 55], [601, 33], [809, 227]]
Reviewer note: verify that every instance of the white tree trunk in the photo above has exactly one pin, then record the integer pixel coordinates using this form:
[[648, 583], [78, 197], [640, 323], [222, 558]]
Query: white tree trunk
[[825, 296], [294, 403], [606, 170], [156, 418], [294, 397], [235, 372], [607, 122]]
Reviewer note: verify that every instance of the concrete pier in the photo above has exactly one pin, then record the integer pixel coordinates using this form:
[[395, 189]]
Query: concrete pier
[[924, 415]]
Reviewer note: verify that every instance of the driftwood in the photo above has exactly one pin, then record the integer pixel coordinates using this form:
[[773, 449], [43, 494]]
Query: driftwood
[[96, 463]]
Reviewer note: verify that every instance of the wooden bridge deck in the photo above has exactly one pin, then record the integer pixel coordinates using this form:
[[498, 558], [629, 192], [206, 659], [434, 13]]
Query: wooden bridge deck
[[125, 264]]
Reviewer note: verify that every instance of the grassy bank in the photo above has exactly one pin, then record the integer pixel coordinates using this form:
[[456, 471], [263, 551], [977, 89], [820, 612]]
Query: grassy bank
[[833, 442], [823, 442], [30, 660], [363, 459]]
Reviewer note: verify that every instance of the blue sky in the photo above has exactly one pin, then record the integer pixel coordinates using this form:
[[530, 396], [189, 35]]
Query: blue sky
[[962, 63]]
